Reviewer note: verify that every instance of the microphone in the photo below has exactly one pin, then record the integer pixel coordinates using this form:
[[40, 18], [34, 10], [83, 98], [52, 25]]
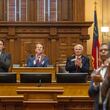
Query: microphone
[[32, 55], [39, 84]]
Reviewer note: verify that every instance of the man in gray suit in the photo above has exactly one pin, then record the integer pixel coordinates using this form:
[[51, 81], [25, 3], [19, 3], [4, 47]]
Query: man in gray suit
[[98, 78], [5, 58], [105, 88]]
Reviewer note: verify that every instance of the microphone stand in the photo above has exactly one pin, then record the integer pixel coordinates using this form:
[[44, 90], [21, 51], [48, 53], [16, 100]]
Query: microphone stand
[[39, 84]]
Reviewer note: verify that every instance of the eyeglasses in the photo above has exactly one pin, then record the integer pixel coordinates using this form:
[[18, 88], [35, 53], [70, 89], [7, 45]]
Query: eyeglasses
[[103, 50]]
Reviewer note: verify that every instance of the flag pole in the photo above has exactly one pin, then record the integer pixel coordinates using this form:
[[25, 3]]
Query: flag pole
[[97, 56], [95, 3], [97, 61], [95, 45]]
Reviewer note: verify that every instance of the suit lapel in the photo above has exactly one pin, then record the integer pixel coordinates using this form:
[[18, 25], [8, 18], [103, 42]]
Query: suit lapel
[[2, 55]]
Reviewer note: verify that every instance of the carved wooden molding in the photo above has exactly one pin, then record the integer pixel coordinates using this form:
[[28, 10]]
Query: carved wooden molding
[[58, 38]]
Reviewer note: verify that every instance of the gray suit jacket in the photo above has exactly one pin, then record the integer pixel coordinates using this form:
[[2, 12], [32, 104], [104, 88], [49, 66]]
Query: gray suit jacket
[[5, 62], [105, 90]]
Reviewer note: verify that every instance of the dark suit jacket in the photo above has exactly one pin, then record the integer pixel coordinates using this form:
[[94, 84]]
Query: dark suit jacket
[[94, 93], [70, 65], [5, 62], [44, 62], [105, 90]]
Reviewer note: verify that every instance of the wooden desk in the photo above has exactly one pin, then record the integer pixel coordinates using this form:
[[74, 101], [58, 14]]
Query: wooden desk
[[51, 70], [69, 88], [74, 97], [40, 98]]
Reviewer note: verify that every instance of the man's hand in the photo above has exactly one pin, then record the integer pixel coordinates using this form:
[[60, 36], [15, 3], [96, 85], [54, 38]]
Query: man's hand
[[78, 62], [97, 78]]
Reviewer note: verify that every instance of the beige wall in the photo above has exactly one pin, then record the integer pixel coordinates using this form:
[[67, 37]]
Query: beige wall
[[89, 16]]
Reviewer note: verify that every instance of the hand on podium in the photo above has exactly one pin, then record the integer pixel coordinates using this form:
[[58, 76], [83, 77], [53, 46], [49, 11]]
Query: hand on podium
[[97, 78]]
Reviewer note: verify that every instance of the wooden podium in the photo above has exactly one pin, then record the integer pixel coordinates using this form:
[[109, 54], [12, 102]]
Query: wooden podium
[[51, 70], [40, 98]]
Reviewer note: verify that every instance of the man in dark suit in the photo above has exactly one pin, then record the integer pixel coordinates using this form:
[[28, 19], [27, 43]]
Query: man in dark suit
[[98, 76], [77, 62], [39, 59], [5, 58]]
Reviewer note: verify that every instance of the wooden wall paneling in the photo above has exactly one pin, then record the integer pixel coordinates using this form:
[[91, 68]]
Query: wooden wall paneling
[[66, 44], [1, 10], [27, 48], [68, 37], [49, 51], [40, 12], [30, 13], [11, 42], [53, 38], [73, 40], [81, 10], [17, 10], [3, 36], [11, 11], [58, 38], [74, 11], [46, 11], [24, 10], [64, 10], [53, 11], [70, 10], [63, 48], [5, 10], [47, 48], [33, 10], [59, 7], [74, 97], [84, 37], [53, 51], [2, 107], [29, 36], [11, 103], [14, 49], [10, 106], [85, 47], [11, 31], [76, 104], [28, 10], [78, 10]]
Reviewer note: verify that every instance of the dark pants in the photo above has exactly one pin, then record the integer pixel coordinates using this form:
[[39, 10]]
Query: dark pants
[[100, 106]]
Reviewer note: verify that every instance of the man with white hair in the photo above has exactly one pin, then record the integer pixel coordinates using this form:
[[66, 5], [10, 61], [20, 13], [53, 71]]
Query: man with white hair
[[77, 62]]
